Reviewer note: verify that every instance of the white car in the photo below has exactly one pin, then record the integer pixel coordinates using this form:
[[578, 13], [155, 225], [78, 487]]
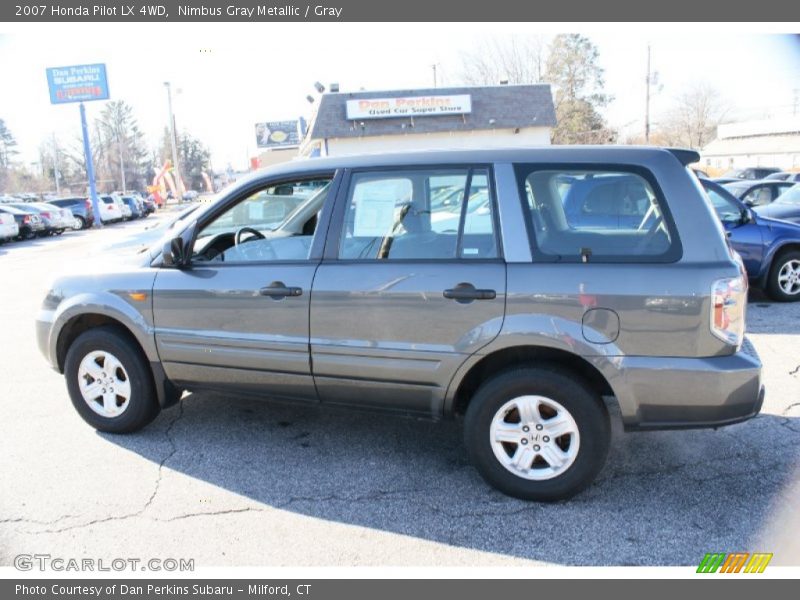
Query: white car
[[8, 227], [110, 209], [127, 213]]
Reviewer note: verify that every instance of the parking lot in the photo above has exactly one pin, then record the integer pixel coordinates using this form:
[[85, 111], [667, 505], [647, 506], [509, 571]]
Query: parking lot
[[233, 481]]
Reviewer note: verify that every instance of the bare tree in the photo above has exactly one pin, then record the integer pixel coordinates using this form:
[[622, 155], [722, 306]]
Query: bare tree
[[692, 121], [516, 58]]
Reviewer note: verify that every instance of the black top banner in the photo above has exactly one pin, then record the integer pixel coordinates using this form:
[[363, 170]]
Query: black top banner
[[780, 11]]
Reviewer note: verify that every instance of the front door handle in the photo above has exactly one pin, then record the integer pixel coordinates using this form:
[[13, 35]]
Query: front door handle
[[278, 289], [466, 292]]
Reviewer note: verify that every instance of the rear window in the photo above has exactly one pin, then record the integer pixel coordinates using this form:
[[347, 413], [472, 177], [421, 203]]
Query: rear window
[[597, 215]]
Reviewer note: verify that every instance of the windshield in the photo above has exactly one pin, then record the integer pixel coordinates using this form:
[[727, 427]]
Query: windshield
[[790, 196], [736, 188]]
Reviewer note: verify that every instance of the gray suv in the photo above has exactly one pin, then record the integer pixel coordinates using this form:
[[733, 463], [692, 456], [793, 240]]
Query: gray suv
[[523, 290]]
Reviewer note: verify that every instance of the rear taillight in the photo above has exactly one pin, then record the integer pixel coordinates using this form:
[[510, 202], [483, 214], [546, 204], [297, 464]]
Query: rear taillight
[[46, 215], [26, 219], [88, 204], [728, 302]]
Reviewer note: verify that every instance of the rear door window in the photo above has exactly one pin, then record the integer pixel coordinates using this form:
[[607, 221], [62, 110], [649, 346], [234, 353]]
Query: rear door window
[[597, 215], [420, 214]]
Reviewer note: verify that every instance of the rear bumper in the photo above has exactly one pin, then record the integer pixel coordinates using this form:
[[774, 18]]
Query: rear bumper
[[681, 393]]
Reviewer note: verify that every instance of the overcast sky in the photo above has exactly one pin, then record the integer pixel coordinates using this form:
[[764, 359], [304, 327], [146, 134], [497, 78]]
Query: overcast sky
[[232, 75]]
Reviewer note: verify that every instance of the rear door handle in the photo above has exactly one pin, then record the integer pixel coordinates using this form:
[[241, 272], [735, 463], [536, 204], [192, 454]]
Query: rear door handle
[[466, 292], [278, 289]]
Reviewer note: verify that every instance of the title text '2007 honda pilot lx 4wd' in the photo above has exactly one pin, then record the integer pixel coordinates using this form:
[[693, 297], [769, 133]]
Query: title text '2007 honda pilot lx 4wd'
[[518, 288]]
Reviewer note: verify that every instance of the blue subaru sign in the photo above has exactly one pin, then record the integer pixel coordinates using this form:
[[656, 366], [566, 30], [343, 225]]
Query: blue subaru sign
[[79, 83]]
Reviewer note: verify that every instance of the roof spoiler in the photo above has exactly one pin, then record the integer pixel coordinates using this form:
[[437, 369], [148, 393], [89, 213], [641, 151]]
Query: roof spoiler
[[685, 156]]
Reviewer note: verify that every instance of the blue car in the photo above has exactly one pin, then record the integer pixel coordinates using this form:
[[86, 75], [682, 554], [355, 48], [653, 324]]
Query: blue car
[[786, 206], [606, 202], [769, 248]]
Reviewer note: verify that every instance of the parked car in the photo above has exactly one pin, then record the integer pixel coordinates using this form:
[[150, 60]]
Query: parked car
[[29, 223], [111, 209], [354, 299], [56, 220], [758, 193], [149, 205], [784, 176], [750, 173], [81, 209], [127, 213], [141, 240], [769, 248], [8, 227], [134, 206], [786, 206]]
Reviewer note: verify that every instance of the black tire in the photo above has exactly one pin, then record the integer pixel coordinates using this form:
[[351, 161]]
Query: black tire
[[773, 285], [82, 222], [572, 393], [26, 233], [142, 405]]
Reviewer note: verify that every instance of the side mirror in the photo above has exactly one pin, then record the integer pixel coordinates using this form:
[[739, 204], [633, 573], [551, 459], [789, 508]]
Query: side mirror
[[747, 216], [172, 255], [284, 190]]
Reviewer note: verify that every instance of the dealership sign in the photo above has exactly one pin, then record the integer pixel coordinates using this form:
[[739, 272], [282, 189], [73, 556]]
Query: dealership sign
[[79, 83], [411, 106], [277, 134]]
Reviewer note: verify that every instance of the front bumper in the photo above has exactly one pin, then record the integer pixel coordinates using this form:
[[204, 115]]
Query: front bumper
[[681, 393], [44, 327]]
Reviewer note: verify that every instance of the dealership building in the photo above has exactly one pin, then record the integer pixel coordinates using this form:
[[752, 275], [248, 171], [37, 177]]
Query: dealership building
[[460, 117], [772, 143]]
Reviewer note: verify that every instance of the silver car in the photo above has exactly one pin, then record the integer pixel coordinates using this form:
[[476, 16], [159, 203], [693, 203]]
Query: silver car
[[550, 283]]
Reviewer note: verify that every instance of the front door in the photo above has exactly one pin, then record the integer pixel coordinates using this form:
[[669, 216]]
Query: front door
[[237, 317], [412, 284]]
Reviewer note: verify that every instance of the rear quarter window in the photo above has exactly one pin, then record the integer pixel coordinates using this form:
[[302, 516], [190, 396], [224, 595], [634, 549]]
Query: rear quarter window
[[596, 214]]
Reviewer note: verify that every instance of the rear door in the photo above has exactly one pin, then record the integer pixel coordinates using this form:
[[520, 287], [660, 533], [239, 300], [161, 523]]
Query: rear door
[[410, 286]]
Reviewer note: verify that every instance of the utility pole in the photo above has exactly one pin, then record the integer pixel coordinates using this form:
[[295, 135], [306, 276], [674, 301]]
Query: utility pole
[[121, 161], [56, 172], [648, 80], [173, 141]]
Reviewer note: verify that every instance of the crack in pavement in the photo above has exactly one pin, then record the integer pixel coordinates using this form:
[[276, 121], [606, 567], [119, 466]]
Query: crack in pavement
[[172, 450], [377, 495]]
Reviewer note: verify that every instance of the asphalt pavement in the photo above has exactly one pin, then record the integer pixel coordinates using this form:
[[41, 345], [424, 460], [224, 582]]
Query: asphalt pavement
[[231, 481]]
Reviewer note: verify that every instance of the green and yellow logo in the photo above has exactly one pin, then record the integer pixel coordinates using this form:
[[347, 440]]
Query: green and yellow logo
[[734, 562]]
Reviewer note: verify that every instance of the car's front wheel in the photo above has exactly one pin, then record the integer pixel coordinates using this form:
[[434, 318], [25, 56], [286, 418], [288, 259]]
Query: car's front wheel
[[783, 284], [537, 433], [109, 381]]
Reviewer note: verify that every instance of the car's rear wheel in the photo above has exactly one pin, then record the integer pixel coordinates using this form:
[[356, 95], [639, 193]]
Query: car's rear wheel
[[537, 433], [109, 381], [26, 233], [80, 223], [783, 282]]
